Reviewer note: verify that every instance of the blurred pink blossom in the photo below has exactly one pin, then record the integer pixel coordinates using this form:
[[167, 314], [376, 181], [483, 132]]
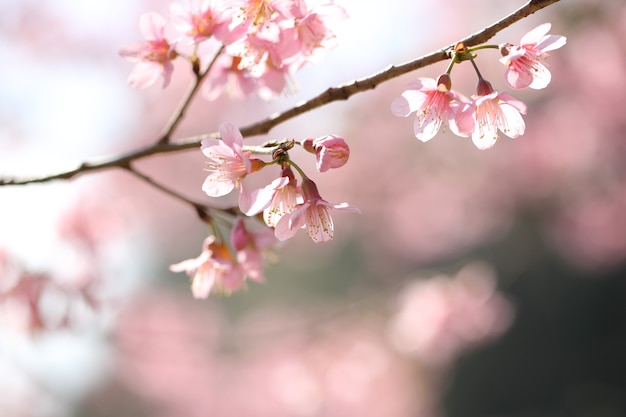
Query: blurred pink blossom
[[525, 62], [228, 75], [440, 317], [152, 56], [309, 32], [216, 270], [206, 19], [172, 354]]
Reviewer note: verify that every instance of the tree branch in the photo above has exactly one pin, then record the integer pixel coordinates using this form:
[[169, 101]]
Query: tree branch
[[332, 94]]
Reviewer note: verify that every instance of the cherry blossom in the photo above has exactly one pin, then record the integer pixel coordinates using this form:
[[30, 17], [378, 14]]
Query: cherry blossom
[[489, 112], [250, 247], [214, 270], [259, 15], [206, 19], [275, 200], [309, 32], [152, 56], [228, 163], [525, 62], [227, 75], [314, 213], [433, 103], [332, 151]]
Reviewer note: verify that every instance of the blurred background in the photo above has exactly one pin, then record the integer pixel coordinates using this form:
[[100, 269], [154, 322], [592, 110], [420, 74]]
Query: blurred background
[[474, 283]]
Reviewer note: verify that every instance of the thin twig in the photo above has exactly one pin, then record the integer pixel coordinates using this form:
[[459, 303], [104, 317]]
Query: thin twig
[[179, 114], [332, 94], [198, 206]]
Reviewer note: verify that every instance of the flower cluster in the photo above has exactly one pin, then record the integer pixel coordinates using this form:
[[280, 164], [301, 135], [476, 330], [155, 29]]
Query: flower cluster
[[488, 111], [286, 206], [262, 42]]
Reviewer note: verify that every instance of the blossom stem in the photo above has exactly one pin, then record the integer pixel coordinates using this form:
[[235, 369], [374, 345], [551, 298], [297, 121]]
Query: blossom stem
[[480, 77], [477, 48], [452, 62], [300, 171]]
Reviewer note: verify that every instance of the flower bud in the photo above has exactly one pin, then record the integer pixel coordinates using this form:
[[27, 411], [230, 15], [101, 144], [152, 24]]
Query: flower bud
[[444, 83], [239, 236], [331, 151], [484, 87]]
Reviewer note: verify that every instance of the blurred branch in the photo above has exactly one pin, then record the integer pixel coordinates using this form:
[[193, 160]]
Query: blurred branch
[[198, 206], [343, 92], [179, 114]]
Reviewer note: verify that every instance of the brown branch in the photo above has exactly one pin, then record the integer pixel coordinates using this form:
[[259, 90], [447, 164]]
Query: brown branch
[[332, 94], [198, 206]]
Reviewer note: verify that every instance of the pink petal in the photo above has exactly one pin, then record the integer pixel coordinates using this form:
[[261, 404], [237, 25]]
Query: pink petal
[[422, 84], [512, 101], [426, 129], [464, 121], [290, 223], [202, 283], [551, 42], [217, 187], [517, 79], [231, 136], [542, 77], [167, 71], [487, 140], [534, 36], [144, 74], [409, 102], [251, 203], [151, 25], [179, 18], [515, 125], [344, 207]]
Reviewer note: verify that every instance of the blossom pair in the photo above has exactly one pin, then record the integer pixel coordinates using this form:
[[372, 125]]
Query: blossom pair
[[488, 111], [479, 117], [288, 207]]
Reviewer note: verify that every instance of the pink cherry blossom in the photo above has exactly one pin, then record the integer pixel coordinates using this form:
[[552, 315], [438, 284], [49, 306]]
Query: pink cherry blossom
[[207, 18], [313, 213], [259, 15], [332, 151], [226, 74], [228, 164], [489, 112], [433, 103], [152, 56], [250, 247], [310, 32], [275, 200], [525, 62], [214, 270], [258, 57], [284, 201]]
